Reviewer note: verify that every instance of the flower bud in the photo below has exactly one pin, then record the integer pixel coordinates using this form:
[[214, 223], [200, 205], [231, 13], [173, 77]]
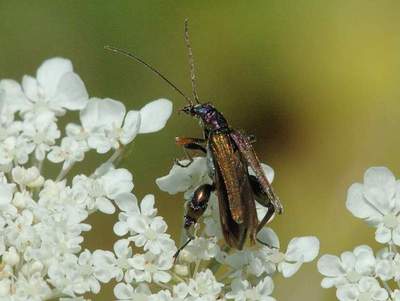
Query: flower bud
[[11, 257], [5, 287], [181, 270]]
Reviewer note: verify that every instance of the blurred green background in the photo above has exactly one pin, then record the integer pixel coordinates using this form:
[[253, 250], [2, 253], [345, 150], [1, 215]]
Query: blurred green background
[[316, 81]]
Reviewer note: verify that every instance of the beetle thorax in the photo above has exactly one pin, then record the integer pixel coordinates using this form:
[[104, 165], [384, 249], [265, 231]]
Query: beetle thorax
[[212, 119]]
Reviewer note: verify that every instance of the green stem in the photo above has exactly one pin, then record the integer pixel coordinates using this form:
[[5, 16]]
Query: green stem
[[196, 267], [64, 172], [387, 287], [180, 279]]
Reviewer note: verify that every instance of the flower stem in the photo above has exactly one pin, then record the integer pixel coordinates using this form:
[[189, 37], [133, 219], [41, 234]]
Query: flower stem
[[196, 267], [117, 153], [180, 279], [162, 285], [64, 172], [387, 287]]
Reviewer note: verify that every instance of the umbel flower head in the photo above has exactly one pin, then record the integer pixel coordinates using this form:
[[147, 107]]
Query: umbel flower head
[[248, 273], [43, 217], [361, 274]]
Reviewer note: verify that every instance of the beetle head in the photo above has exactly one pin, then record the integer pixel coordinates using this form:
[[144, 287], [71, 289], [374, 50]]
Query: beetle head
[[198, 110]]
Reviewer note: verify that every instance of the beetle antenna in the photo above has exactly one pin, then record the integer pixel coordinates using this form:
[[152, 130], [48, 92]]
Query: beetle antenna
[[191, 61], [151, 68]]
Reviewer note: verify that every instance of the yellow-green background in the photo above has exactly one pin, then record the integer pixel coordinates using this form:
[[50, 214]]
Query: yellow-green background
[[318, 82]]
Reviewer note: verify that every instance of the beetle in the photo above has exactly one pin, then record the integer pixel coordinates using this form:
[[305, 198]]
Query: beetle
[[230, 154]]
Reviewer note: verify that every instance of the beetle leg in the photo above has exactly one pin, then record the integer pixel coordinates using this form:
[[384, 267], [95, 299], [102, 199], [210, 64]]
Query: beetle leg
[[194, 210], [189, 144], [262, 199], [252, 139]]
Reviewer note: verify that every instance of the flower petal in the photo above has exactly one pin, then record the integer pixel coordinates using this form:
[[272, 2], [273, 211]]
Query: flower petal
[[383, 235], [358, 205], [329, 265], [347, 293], [180, 179], [50, 73], [131, 127], [147, 205], [71, 92], [117, 181], [269, 237], [100, 113], [289, 269], [105, 205], [12, 94], [30, 86], [303, 248], [154, 115], [127, 202], [380, 177]]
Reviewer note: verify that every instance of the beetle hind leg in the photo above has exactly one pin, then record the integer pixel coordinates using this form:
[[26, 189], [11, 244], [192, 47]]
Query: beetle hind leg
[[195, 208], [262, 198]]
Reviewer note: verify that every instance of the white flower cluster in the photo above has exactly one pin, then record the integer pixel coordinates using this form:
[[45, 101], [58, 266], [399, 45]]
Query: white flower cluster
[[207, 270], [42, 218], [361, 275]]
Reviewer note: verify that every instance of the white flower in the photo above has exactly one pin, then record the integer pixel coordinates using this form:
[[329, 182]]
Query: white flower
[[150, 267], [11, 257], [56, 88], [387, 264], [211, 218], [377, 201], [180, 291], [200, 249], [249, 262], [299, 250], [33, 288], [164, 295], [6, 195], [89, 272], [99, 192], [12, 98], [108, 265], [368, 289], [150, 234], [185, 179], [78, 134], [5, 287], [146, 230], [69, 151], [125, 292], [128, 204], [15, 149], [242, 290], [28, 177], [108, 125], [42, 220], [349, 268], [105, 265], [204, 286], [42, 133], [154, 116]]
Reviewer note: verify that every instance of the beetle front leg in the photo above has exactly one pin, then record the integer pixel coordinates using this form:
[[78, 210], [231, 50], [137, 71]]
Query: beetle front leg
[[195, 208], [189, 144]]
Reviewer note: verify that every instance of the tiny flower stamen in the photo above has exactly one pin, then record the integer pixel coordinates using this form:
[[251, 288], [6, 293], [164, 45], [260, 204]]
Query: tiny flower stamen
[[353, 276]]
